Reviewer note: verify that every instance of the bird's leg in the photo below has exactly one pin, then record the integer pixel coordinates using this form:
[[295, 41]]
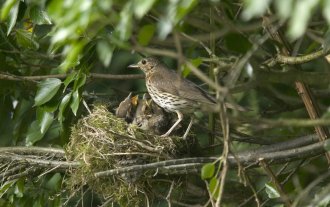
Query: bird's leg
[[180, 117], [188, 128]]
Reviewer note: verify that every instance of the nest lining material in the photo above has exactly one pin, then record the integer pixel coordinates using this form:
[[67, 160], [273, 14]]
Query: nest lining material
[[102, 141]]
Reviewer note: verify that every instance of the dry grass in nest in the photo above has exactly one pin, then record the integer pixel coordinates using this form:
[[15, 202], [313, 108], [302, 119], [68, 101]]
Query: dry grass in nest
[[101, 141]]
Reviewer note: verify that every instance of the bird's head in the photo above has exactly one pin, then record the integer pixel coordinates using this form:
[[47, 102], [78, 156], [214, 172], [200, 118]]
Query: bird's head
[[147, 65]]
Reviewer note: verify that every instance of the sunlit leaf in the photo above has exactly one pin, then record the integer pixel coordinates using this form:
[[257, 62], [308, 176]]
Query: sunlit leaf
[[46, 90], [64, 103], [104, 5], [283, 8], [55, 8], [184, 6], [145, 34], [175, 11], [63, 34], [301, 14], [39, 16], [45, 119], [105, 51], [13, 17], [254, 8], [75, 102], [80, 81], [271, 191], [124, 27], [7, 6], [69, 79], [72, 53], [34, 133], [326, 10], [207, 171], [141, 7]]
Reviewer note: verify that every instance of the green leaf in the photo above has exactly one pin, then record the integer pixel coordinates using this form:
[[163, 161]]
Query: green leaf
[[146, 33], [72, 55], [46, 90], [80, 81], [124, 27], [300, 16], [141, 7], [45, 119], [7, 6], [254, 8], [63, 105], [34, 133], [214, 187], [326, 10], [175, 11], [105, 50], [75, 102], [25, 39], [69, 79], [39, 16], [13, 17], [184, 7], [55, 8], [271, 191], [54, 183], [186, 70], [207, 171], [5, 186], [19, 188], [283, 8]]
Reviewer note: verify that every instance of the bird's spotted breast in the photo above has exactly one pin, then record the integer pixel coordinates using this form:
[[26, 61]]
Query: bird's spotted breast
[[168, 101]]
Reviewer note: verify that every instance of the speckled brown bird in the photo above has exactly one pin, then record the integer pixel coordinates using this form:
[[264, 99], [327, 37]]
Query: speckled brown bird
[[173, 92]]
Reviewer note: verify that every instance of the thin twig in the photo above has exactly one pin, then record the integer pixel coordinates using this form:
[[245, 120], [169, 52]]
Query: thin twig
[[289, 60], [277, 184], [12, 77]]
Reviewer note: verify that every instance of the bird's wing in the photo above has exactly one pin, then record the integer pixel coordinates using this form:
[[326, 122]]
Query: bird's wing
[[173, 83], [193, 92]]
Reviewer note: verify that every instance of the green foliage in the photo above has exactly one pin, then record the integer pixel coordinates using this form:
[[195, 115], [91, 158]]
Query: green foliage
[[208, 171], [146, 33], [271, 191], [46, 90], [298, 13], [49, 50]]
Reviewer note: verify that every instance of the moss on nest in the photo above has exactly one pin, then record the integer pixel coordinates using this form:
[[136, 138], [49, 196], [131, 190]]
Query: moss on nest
[[102, 141]]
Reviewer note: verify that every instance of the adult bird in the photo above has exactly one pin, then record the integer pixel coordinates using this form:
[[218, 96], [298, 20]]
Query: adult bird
[[172, 92]]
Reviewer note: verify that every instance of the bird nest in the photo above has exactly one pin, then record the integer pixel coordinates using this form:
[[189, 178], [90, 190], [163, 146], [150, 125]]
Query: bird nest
[[101, 142]]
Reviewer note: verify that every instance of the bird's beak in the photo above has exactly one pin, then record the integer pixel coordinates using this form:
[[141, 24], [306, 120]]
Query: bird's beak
[[133, 66]]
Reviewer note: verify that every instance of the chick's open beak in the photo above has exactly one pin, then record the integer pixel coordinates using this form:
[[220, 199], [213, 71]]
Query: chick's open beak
[[133, 66]]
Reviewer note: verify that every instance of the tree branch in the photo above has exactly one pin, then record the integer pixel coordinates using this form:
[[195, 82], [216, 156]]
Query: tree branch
[[176, 166], [63, 76], [289, 60]]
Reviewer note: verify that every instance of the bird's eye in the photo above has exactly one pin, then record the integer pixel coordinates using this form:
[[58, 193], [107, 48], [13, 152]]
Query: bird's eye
[[144, 62]]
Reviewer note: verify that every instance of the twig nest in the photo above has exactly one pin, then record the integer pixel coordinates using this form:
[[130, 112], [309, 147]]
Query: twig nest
[[102, 141]]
